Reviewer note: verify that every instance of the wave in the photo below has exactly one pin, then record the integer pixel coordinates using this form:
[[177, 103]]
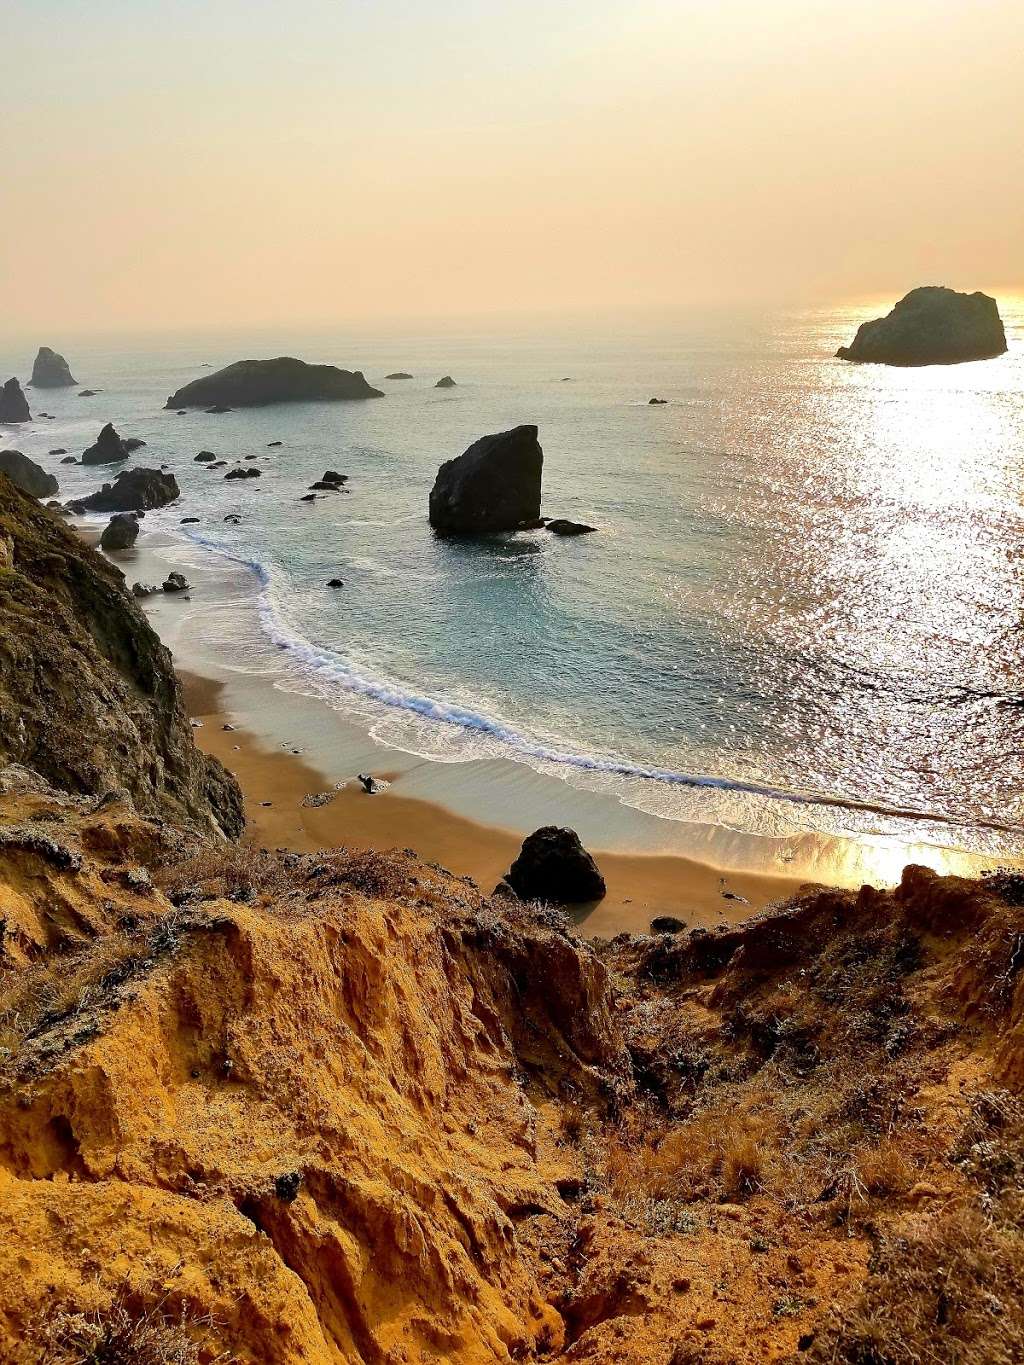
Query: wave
[[327, 665]]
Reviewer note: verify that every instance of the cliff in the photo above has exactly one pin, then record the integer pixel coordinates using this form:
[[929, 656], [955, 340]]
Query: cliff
[[88, 696], [253, 383]]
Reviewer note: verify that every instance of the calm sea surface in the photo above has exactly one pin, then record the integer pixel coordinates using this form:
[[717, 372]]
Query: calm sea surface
[[804, 608]]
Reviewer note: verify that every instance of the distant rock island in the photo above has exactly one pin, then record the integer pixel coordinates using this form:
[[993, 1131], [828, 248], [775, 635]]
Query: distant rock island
[[446, 383], [494, 486], [51, 371], [399, 374], [931, 326], [13, 404], [253, 383], [27, 475]]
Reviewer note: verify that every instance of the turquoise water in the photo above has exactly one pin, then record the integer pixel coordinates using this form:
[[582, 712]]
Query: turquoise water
[[802, 609]]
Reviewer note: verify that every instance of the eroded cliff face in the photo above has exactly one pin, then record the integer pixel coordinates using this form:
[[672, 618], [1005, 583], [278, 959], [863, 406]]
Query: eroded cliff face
[[310, 1122], [88, 696]]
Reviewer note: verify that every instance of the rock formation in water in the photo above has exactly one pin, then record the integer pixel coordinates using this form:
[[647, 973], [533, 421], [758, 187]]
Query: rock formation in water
[[255, 383], [562, 526], [107, 449], [88, 697], [121, 532], [931, 326], [13, 404], [399, 374], [27, 475], [553, 866], [134, 490], [446, 383], [51, 371], [494, 486]]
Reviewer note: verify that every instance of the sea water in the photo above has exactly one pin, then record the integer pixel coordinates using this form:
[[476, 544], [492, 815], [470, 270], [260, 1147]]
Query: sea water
[[802, 608]]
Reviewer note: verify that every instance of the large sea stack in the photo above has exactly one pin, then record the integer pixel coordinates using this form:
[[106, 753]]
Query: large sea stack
[[51, 371], [27, 475], [13, 404], [134, 490], [494, 486], [254, 383], [931, 326], [108, 449]]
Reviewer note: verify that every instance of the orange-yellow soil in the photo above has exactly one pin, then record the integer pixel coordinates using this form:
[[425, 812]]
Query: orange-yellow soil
[[341, 1108]]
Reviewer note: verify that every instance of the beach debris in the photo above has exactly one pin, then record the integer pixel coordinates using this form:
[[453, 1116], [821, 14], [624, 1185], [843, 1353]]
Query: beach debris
[[226, 726], [369, 783], [732, 896], [196, 724], [314, 800], [266, 803]]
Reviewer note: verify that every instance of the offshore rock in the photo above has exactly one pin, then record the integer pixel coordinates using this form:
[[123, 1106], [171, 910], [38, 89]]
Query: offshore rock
[[134, 490], [931, 326], [27, 475], [107, 449], [13, 404], [51, 371], [254, 383], [494, 486]]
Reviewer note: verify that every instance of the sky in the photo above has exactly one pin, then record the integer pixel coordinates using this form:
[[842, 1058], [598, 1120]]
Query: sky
[[208, 162]]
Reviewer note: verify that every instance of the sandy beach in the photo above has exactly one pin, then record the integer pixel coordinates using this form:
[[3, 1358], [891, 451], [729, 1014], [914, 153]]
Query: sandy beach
[[276, 786]]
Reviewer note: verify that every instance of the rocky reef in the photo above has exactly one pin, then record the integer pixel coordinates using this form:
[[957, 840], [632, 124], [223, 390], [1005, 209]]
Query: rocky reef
[[88, 698], [255, 383], [13, 403], [134, 490], [25, 474], [494, 486], [931, 326], [51, 371]]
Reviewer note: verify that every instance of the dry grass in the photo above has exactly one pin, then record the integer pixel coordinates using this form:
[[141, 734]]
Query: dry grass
[[237, 872], [118, 1336], [884, 1171]]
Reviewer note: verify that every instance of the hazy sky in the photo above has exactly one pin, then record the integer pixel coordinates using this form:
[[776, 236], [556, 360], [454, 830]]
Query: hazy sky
[[168, 162]]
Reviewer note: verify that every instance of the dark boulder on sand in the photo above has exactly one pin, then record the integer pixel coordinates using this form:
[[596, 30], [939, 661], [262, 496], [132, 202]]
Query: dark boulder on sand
[[108, 448], [51, 371], [931, 326], [494, 486], [134, 490], [13, 404], [667, 924], [554, 866], [27, 475], [254, 383], [120, 533]]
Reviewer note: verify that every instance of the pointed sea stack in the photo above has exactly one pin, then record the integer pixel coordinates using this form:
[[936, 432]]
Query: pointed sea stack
[[931, 326], [13, 405], [108, 449], [51, 371], [255, 383], [494, 486]]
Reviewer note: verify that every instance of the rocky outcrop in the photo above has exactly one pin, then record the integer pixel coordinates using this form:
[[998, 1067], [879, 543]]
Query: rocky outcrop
[[13, 404], [446, 383], [27, 475], [554, 866], [88, 696], [398, 374], [931, 326], [494, 486], [134, 490], [562, 526], [51, 371], [255, 383], [121, 532], [108, 448]]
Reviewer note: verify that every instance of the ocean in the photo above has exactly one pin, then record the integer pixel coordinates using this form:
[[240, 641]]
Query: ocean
[[802, 609]]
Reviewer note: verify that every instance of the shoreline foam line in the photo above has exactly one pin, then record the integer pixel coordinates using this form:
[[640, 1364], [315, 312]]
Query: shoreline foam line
[[327, 663]]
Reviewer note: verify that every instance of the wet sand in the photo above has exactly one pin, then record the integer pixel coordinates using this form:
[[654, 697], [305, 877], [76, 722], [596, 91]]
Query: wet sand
[[640, 886]]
